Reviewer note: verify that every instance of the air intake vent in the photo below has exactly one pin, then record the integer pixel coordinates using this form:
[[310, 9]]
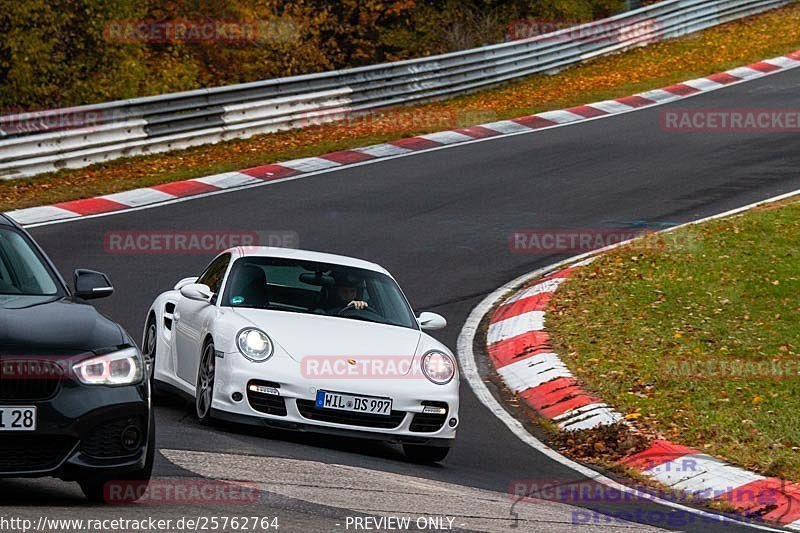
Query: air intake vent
[[431, 421]]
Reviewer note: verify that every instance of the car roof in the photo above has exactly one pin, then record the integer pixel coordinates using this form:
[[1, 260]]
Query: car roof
[[294, 253]]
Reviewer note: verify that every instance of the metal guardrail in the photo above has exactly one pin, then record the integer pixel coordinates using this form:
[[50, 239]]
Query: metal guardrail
[[45, 141]]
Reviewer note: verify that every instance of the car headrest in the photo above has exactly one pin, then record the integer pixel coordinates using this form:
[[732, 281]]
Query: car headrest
[[248, 274]]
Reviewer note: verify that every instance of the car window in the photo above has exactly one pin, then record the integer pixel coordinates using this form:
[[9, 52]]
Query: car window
[[215, 272], [22, 271], [310, 287], [288, 276]]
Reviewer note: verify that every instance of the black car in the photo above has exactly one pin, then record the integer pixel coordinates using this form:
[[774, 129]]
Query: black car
[[74, 398]]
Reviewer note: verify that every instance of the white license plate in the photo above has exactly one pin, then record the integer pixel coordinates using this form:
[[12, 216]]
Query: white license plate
[[358, 404], [17, 418]]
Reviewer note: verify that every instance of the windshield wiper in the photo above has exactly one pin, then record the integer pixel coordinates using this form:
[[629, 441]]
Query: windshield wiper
[[365, 319], [287, 309]]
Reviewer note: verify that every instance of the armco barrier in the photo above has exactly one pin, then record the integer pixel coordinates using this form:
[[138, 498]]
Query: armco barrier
[[44, 141]]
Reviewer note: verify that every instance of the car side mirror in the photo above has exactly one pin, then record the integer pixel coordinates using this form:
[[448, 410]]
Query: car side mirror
[[90, 284], [197, 291], [184, 282], [431, 321]]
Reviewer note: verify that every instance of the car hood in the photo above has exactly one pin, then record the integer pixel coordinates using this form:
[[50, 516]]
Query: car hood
[[302, 335], [56, 327]]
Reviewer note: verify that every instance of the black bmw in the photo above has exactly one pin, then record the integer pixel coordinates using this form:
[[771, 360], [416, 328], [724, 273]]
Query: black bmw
[[74, 398]]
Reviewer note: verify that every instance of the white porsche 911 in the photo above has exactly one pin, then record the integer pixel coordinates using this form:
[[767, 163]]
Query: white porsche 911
[[306, 341]]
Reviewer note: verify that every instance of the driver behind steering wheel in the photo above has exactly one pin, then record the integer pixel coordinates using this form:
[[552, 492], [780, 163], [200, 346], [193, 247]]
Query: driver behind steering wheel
[[345, 294]]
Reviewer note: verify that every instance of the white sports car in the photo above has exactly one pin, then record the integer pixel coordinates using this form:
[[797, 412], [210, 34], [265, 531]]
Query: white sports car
[[307, 341]]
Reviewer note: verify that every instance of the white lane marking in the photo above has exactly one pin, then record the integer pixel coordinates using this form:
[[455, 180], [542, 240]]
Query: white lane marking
[[507, 126], [744, 73], [790, 64], [546, 286], [659, 95], [534, 371], [579, 411], [138, 197], [310, 164], [703, 84], [469, 371], [33, 215], [228, 180], [600, 417], [383, 150], [447, 137], [783, 62], [560, 116], [611, 106], [516, 325], [375, 492], [698, 473]]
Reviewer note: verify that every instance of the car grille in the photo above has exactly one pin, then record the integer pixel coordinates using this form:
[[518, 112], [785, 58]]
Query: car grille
[[309, 410], [22, 453], [34, 379], [428, 422], [270, 404], [105, 440]]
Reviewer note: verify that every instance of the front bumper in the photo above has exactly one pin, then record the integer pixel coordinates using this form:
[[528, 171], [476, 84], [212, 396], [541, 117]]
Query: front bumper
[[409, 398], [76, 433], [261, 420]]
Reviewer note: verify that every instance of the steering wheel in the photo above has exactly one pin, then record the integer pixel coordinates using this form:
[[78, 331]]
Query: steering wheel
[[350, 310]]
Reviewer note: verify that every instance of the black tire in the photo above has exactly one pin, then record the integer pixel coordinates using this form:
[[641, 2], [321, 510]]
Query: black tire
[[204, 390], [94, 487], [425, 454], [149, 347]]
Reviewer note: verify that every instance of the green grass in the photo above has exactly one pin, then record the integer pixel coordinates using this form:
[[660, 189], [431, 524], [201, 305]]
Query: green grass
[[647, 329]]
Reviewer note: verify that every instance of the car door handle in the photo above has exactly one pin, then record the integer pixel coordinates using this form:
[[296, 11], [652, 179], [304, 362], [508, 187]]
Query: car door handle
[[176, 316]]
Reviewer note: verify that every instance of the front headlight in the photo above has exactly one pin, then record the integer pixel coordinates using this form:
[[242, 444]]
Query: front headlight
[[117, 368], [438, 367], [254, 344]]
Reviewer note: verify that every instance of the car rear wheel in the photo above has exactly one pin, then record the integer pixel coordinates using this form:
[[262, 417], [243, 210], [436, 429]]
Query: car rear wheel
[[204, 391], [95, 489], [425, 454]]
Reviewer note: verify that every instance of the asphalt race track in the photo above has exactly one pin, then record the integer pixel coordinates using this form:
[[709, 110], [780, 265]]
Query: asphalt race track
[[439, 221]]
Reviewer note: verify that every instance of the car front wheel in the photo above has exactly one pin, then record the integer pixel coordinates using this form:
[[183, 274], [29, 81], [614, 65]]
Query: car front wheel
[[149, 348], [204, 391]]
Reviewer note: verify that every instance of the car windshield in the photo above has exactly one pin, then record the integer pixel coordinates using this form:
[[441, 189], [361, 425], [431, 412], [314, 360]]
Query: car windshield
[[309, 287], [24, 278]]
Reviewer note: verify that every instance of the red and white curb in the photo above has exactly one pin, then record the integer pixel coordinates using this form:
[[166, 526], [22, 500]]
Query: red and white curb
[[519, 347], [707, 478], [521, 352], [198, 187]]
